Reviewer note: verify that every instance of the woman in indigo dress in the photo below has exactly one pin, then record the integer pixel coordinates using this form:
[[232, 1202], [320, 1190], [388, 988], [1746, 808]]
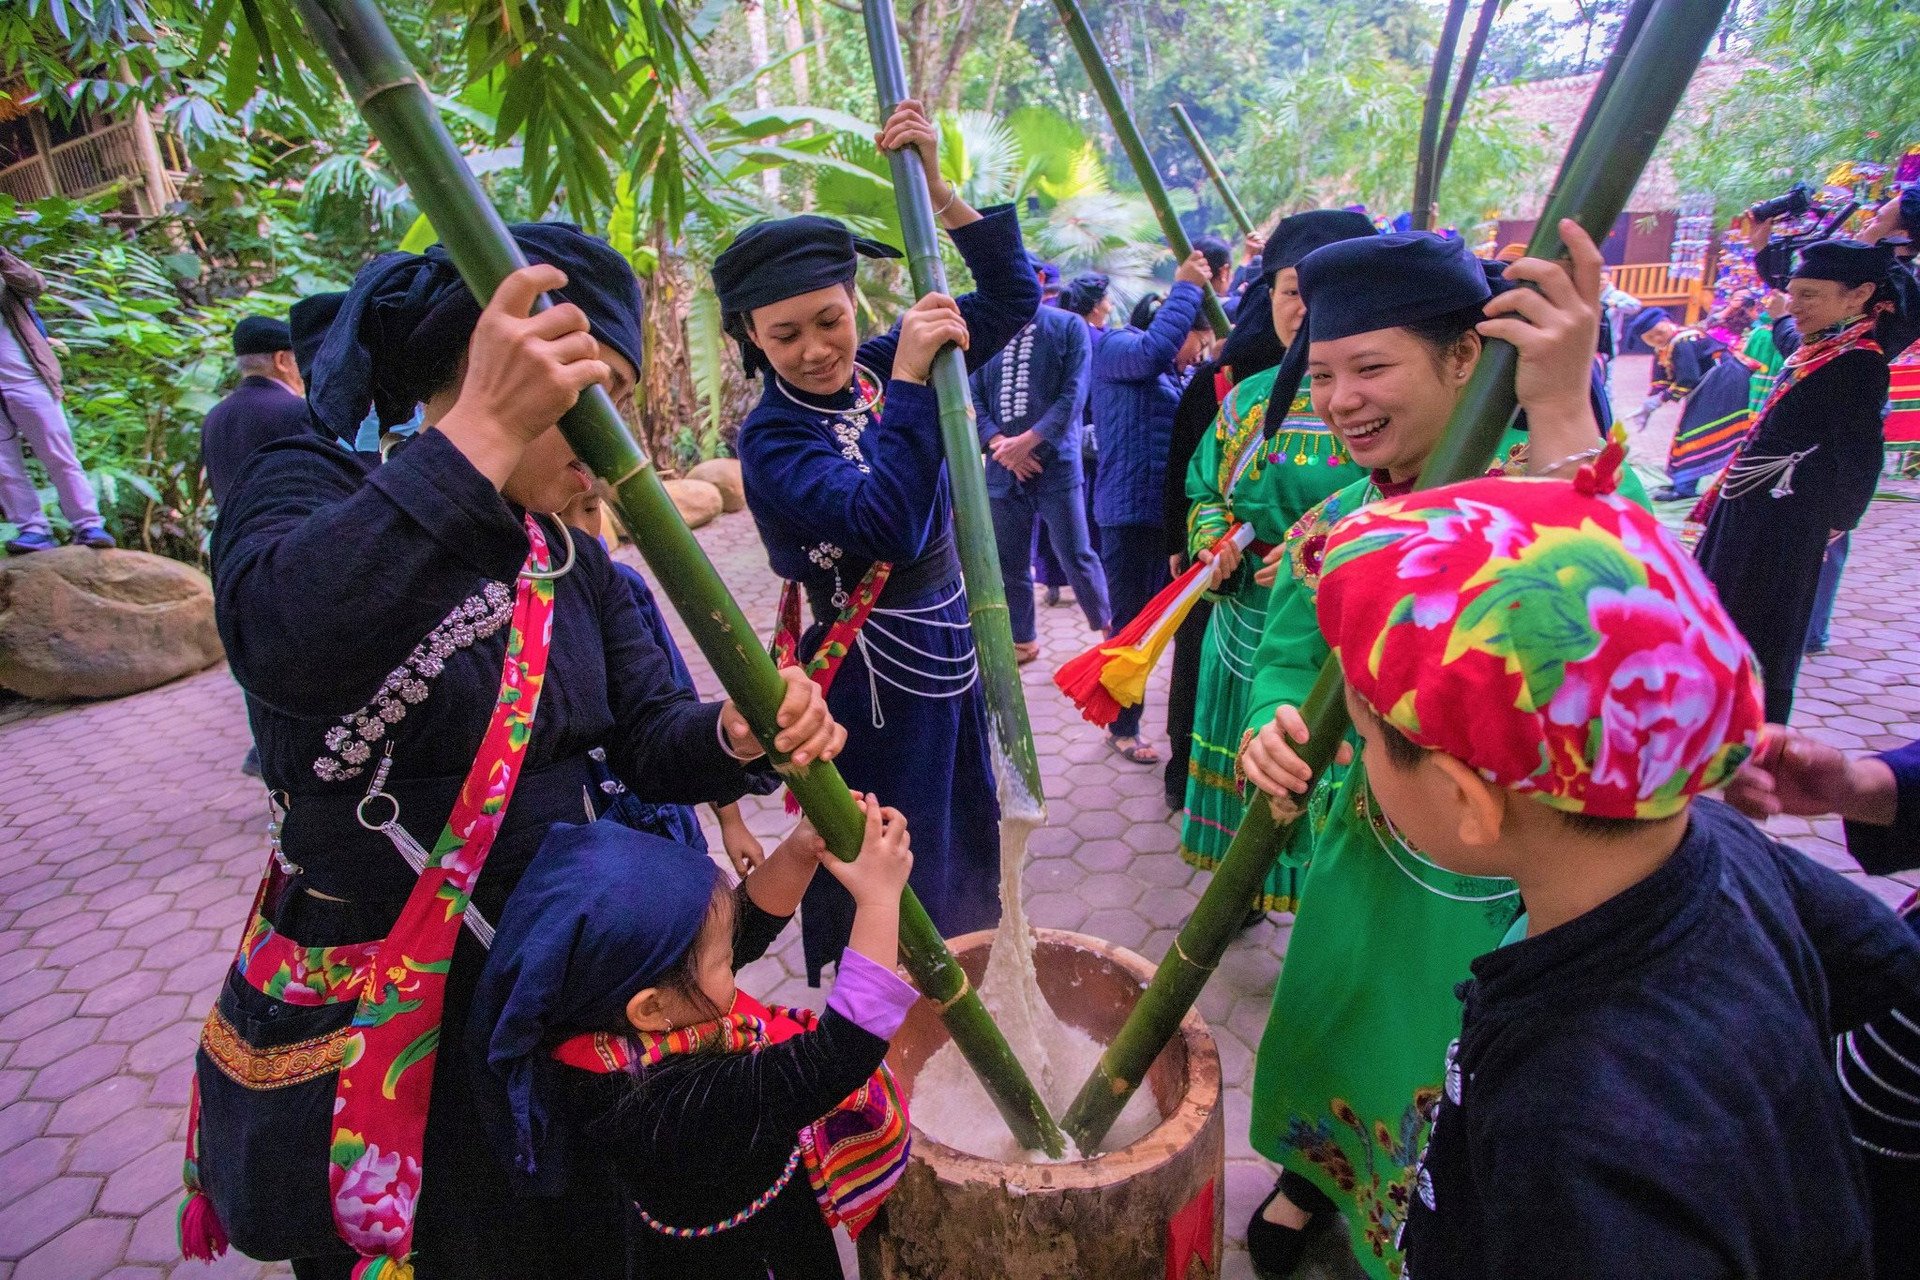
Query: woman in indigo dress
[[364, 614], [845, 476]]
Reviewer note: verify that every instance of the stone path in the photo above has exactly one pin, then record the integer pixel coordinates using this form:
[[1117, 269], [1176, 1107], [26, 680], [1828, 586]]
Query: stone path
[[130, 844]]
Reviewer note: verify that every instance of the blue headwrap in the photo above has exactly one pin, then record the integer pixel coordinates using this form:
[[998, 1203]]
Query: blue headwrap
[[602, 912], [405, 323]]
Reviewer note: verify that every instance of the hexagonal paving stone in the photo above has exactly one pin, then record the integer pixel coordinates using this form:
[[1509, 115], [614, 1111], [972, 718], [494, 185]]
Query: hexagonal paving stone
[[29, 1165], [45, 1212], [92, 1107], [143, 1182], [60, 1080], [81, 1252]]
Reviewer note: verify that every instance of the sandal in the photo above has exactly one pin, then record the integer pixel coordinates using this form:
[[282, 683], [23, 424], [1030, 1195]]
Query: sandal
[[1025, 651], [1139, 753]]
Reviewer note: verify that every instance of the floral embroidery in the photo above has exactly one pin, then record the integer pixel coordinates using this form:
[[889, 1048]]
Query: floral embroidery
[[348, 743], [1383, 1183], [847, 431]]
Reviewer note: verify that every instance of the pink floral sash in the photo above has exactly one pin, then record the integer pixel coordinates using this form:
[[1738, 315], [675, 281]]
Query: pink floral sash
[[388, 1053]]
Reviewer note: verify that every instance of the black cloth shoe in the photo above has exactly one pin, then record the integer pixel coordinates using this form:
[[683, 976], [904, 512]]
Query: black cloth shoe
[[1276, 1250]]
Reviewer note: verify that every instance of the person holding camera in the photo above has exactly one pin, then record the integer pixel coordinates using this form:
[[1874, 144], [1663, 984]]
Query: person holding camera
[[1808, 467]]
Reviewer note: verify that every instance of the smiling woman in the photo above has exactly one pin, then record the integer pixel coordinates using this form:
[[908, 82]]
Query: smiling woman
[[845, 476]]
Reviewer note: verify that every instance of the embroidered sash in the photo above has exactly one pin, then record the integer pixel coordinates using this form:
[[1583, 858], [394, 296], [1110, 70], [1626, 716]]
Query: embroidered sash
[[387, 1054], [853, 1155]]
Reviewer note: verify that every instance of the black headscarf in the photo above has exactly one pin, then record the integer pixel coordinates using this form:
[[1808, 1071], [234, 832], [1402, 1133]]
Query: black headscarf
[[1300, 234], [1253, 345], [404, 325], [602, 913], [1384, 282], [1084, 292], [783, 258], [309, 320]]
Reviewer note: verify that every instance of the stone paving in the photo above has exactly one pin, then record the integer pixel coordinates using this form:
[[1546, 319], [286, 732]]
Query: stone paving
[[130, 844]]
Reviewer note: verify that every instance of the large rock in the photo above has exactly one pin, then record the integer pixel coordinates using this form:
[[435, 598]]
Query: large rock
[[724, 475], [79, 623], [698, 501]]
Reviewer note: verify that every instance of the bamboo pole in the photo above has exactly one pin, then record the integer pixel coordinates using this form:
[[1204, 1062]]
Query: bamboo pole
[[1457, 105], [1212, 166], [1151, 185], [381, 80], [1615, 142], [1425, 167], [973, 517]]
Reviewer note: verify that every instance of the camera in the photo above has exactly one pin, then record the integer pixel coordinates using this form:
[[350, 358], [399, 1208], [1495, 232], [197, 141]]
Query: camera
[[1791, 205]]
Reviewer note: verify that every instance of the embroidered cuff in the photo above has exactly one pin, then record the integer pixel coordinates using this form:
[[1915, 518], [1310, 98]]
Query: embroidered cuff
[[870, 995]]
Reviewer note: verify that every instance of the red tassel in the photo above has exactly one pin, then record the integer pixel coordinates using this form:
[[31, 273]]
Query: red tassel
[[1079, 678], [202, 1238]]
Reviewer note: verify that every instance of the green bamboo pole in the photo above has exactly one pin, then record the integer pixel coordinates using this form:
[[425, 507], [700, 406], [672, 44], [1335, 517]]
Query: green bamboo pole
[[1151, 185], [1212, 166], [979, 556], [1457, 105], [1615, 142], [1426, 179], [396, 106]]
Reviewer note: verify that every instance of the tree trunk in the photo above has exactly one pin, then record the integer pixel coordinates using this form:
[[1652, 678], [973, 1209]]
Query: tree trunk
[[762, 92], [667, 381], [999, 63], [797, 38]]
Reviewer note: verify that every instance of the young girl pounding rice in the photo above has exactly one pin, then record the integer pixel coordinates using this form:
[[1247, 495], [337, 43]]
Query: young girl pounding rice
[[613, 1035]]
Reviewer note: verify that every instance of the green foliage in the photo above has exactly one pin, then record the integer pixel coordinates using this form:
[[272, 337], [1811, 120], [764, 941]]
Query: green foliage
[[142, 364], [1343, 130], [1840, 74]]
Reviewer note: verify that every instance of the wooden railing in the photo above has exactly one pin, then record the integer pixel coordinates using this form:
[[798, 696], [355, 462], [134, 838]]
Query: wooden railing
[[88, 164], [77, 168], [27, 181]]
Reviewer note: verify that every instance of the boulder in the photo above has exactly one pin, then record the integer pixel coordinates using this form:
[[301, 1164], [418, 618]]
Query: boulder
[[724, 475], [79, 623], [698, 501]]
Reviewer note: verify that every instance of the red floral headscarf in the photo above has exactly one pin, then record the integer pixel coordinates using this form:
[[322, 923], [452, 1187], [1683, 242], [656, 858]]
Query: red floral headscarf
[[1553, 636]]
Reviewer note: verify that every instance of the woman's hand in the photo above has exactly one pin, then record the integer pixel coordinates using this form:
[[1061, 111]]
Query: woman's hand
[[1555, 327], [879, 874], [1224, 557], [523, 372], [909, 126], [1792, 773], [1270, 762], [1194, 271], [930, 325], [1269, 570], [807, 729]]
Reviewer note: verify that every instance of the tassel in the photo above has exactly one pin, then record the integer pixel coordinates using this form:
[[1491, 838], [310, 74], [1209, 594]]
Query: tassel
[[202, 1238], [1602, 475], [1113, 673], [383, 1267]]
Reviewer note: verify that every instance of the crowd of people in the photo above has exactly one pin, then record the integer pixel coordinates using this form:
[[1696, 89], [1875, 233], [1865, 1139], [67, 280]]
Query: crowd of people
[[1547, 1007]]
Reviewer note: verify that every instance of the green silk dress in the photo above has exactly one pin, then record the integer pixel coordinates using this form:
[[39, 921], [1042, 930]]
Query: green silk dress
[[1299, 466]]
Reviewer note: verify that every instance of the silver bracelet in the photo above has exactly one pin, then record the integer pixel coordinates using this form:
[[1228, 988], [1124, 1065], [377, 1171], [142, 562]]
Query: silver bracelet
[[952, 195], [1571, 458]]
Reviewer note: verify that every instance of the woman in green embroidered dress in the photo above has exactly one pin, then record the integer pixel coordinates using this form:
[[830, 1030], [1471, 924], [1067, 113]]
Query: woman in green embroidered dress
[[1267, 479], [1353, 1052]]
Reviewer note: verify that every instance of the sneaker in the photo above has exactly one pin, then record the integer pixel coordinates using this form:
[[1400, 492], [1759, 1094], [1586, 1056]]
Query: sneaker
[[95, 536], [27, 542]]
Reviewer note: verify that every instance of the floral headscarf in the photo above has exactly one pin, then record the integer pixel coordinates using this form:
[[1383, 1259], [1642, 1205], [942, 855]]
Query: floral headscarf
[[1554, 637]]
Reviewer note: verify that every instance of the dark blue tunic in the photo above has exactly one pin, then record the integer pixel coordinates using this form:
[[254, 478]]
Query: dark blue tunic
[[350, 597], [833, 492], [255, 413], [1648, 1090]]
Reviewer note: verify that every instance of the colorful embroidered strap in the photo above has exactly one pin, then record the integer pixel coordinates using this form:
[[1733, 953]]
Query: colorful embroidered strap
[[853, 1155], [380, 1103], [1808, 359], [838, 642]]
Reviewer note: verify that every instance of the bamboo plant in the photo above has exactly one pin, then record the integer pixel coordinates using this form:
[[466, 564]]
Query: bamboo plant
[[1015, 759], [396, 106], [1426, 176], [1661, 44], [1462, 86], [1151, 185], [1200, 148]]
